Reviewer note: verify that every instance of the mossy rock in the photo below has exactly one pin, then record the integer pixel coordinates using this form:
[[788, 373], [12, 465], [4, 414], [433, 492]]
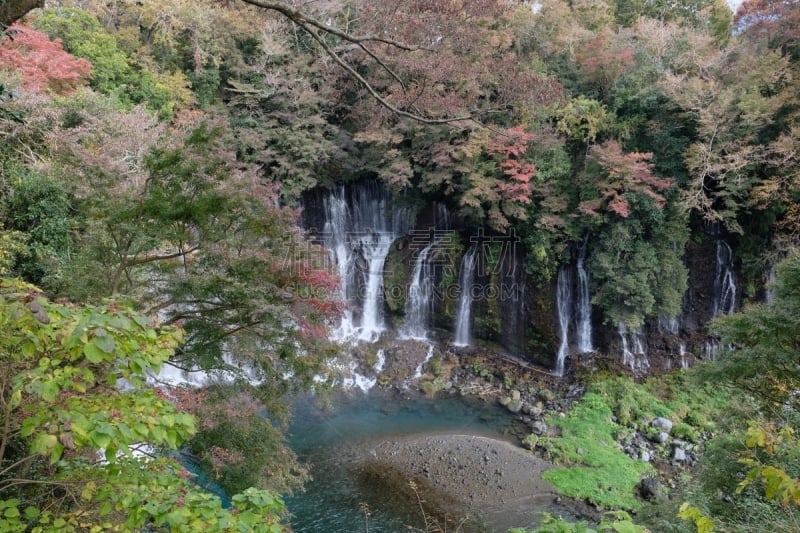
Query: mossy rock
[[396, 273]]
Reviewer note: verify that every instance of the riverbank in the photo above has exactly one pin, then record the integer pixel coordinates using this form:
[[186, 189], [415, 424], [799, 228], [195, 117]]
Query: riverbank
[[539, 402], [494, 480], [462, 452]]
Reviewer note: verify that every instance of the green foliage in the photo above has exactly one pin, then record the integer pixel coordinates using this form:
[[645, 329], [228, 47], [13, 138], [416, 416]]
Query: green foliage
[[724, 492], [63, 404], [602, 472], [40, 209], [582, 119], [224, 442], [682, 11], [760, 449], [283, 124], [768, 444], [703, 523], [636, 265], [597, 468], [113, 72], [547, 227], [692, 403], [12, 246], [611, 522], [765, 337]]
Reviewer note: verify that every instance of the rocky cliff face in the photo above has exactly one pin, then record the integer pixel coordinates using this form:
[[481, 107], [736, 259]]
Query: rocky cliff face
[[508, 309]]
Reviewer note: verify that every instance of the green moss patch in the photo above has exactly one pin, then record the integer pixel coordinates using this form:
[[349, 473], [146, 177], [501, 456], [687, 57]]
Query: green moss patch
[[600, 471]]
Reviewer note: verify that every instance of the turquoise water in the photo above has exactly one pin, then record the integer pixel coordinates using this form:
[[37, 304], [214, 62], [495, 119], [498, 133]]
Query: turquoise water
[[335, 499]]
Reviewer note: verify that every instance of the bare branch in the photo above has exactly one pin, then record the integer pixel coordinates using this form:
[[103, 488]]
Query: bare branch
[[372, 91], [316, 28], [151, 257], [383, 65], [306, 22]]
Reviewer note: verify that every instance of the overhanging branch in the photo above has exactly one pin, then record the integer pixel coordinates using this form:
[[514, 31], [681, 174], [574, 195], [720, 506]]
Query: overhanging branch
[[314, 28], [373, 92], [306, 22]]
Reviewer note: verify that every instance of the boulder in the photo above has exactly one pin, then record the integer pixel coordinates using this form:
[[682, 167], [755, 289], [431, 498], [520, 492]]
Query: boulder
[[664, 424], [661, 437], [539, 427], [651, 489], [546, 395], [679, 455], [514, 406]]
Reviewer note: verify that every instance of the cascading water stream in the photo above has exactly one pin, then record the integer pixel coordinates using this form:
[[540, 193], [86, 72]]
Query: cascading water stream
[[359, 230], [466, 280], [633, 347], [372, 324], [337, 222], [564, 305], [724, 295], [420, 296], [682, 353], [724, 281], [584, 329], [670, 325]]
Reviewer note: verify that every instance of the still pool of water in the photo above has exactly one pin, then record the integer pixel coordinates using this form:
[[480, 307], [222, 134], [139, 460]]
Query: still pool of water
[[328, 440]]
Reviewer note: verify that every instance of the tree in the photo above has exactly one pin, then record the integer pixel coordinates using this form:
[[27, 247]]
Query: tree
[[616, 174], [755, 461], [39, 208], [433, 62], [41, 63], [766, 338], [775, 22], [498, 190], [76, 404], [113, 71]]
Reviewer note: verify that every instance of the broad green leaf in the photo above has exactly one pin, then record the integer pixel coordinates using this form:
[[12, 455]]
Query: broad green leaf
[[50, 391], [93, 353], [44, 443], [105, 342], [28, 427], [100, 440], [16, 399]]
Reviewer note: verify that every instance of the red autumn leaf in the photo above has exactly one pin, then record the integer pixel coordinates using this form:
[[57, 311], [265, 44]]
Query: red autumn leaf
[[42, 64]]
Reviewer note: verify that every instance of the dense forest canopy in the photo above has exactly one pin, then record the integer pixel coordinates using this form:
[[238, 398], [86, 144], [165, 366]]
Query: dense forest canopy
[[154, 153]]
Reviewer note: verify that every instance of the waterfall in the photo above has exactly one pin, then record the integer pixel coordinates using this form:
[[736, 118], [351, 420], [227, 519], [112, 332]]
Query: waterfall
[[634, 351], [711, 349], [441, 216], [420, 296], [360, 227], [428, 357], [584, 329], [564, 305], [724, 281], [372, 316], [337, 224], [682, 352], [671, 325], [466, 280], [353, 379]]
